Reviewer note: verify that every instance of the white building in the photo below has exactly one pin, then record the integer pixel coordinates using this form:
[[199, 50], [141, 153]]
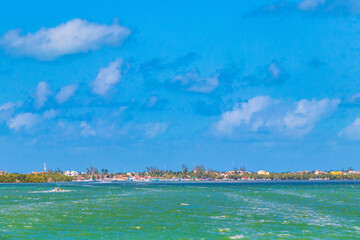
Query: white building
[[318, 172], [71, 173], [263, 172]]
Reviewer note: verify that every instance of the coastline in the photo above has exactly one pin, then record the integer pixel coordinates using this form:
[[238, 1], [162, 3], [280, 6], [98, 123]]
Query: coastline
[[192, 182]]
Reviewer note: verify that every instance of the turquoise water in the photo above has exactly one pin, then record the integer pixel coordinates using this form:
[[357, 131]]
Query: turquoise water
[[268, 210]]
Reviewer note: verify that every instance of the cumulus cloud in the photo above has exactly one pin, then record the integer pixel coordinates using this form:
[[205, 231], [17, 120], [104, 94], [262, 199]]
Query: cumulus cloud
[[41, 94], [193, 82], [29, 120], [152, 101], [107, 78], [154, 129], [24, 120], [352, 131], [7, 106], [310, 4], [354, 98], [241, 114], [87, 130], [66, 93], [270, 74], [320, 7], [307, 113], [271, 116], [74, 36], [7, 110], [50, 114]]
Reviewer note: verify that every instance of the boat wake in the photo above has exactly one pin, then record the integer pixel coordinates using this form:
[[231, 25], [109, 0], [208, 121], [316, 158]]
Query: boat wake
[[50, 191]]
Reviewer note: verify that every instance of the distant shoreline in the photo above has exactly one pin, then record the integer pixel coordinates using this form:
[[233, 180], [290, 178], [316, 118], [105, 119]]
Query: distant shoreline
[[192, 182], [199, 174]]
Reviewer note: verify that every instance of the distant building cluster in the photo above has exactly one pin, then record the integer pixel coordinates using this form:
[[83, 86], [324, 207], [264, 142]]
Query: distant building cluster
[[71, 173], [197, 174], [263, 172]]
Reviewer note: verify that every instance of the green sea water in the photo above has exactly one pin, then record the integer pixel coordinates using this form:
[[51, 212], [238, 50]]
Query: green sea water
[[259, 210]]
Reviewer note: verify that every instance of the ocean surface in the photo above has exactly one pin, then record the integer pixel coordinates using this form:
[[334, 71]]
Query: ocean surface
[[129, 210]]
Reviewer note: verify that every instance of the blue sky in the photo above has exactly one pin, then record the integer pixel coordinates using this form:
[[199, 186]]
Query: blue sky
[[128, 84]]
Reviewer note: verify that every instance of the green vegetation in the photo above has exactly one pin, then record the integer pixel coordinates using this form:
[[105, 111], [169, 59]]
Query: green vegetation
[[197, 173], [33, 178], [302, 176], [200, 172]]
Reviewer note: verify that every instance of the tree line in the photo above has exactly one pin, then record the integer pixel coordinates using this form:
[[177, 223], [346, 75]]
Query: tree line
[[34, 178]]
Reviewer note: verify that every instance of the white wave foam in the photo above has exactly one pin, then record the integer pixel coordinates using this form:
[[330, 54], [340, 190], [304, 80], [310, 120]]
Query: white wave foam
[[51, 191], [218, 217], [237, 236]]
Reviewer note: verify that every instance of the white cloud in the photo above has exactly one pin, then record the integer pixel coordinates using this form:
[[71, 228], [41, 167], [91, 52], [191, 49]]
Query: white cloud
[[50, 114], [107, 77], [307, 113], [319, 7], [354, 98], [206, 85], [29, 120], [7, 106], [152, 101], [41, 94], [296, 123], [87, 130], [242, 115], [26, 120], [352, 131], [257, 124], [66, 93], [154, 129], [195, 83], [306, 5], [7, 110], [74, 36], [274, 70]]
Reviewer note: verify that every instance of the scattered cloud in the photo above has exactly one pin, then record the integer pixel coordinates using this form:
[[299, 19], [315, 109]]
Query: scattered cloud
[[355, 98], [319, 7], [9, 105], [154, 129], [50, 114], [7, 110], [41, 94], [241, 114], [271, 117], [24, 120], [28, 120], [191, 81], [152, 101], [307, 113], [107, 78], [307, 5], [74, 36], [87, 130], [155, 103], [352, 131], [66, 93], [271, 74]]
